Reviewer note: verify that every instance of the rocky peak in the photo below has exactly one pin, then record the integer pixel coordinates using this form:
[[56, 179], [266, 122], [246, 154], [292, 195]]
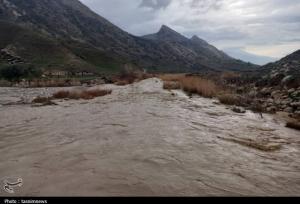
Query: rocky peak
[[166, 29], [168, 34]]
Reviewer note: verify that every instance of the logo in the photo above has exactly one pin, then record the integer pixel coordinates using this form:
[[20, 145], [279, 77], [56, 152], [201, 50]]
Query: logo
[[10, 186]]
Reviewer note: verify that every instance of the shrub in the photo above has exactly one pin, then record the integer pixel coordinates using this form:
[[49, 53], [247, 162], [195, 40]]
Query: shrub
[[97, 92], [81, 94], [17, 72], [230, 99], [61, 94], [76, 95]]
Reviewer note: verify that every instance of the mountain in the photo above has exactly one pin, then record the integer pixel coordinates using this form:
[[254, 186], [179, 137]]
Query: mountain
[[283, 72], [248, 57], [197, 51], [65, 34], [166, 34]]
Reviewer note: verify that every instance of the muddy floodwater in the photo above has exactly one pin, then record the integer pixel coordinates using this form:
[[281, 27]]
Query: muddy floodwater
[[143, 141]]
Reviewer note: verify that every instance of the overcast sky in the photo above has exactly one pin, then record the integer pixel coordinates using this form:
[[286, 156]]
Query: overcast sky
[[262, 27]]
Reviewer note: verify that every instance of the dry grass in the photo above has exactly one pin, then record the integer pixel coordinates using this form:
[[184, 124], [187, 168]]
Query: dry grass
[[229, 99], [171, 85], [190, 84], [94, 93], [230, 76], [197, 85], [172, 77], [81, 94], [61, 94], [194, 84], [213, 86]]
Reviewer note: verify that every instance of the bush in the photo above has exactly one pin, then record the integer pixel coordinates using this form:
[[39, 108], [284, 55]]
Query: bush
[[97, 92], [81, 94], [230, 99], [17, 72], [61, 94]]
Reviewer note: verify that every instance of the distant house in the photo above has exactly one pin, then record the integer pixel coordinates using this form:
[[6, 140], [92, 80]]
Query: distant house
[[56, 73], [84, 74]]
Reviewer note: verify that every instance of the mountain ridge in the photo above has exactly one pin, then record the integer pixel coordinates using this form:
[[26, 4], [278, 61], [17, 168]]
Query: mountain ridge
[[239, 53], [194, 47], [71, 23]]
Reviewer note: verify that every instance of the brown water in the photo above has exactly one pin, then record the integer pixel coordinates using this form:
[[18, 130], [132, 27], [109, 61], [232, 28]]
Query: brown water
[[142, 140]]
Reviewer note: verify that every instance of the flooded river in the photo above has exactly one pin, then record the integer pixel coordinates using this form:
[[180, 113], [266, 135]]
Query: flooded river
[[143, 141]]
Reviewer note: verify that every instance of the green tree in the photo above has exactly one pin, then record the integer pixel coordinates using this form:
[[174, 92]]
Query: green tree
[[17, 72]]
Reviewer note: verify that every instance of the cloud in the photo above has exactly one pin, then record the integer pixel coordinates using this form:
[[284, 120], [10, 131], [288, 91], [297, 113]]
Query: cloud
[[155, 4], [257, 26], [276, 51]]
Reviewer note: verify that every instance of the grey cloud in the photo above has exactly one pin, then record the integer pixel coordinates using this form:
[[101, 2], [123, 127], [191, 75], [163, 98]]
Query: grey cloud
[[224, 23], [155, 4], [206, 5]]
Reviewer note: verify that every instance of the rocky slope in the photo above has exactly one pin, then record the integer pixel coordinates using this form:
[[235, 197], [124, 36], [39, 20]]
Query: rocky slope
[[90, 40], [277, 85], [285, 72]]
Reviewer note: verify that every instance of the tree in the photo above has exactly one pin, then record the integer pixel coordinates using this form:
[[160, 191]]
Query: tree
[[12, 73], [17, 72]]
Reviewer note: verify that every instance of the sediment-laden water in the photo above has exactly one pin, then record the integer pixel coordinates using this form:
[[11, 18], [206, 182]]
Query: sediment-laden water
[[143, 141]]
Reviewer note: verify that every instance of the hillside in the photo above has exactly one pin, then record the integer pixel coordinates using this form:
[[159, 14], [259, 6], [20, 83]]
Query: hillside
[[82, 38], [284, 72], [39, 49]]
